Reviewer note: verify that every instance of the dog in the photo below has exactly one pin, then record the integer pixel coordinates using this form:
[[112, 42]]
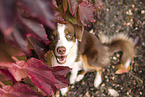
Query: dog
[[88, 54]]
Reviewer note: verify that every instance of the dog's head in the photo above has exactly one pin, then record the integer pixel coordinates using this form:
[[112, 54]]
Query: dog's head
[[62, 40]]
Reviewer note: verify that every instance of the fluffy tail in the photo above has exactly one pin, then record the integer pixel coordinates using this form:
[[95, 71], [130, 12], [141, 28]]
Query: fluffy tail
[[120, 42]]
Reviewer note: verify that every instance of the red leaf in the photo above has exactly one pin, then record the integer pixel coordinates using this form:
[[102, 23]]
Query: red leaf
[[60, 70], [48, 80], [7, 75], [17, 70], [41, 9], [21, 90], [41, 75], [36, 28], [7, 15], [60, 74], [18, 90], [73, 6], [59, 19], [20, 38], [22, 31], [86, 13], [39, 47], [4, 91], [54, 3]]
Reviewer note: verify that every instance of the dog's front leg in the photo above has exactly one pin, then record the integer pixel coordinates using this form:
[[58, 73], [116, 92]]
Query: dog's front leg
[[77, 66], [98, 79]]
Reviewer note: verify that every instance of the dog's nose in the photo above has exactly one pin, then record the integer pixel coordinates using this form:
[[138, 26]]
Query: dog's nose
[[61, 50]]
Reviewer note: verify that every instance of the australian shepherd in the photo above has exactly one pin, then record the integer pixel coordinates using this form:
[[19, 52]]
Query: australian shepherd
[[88, 54]]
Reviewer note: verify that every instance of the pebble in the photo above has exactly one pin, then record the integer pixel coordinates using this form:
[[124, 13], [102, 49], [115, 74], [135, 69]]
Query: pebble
[[129, 12], [142, 11]]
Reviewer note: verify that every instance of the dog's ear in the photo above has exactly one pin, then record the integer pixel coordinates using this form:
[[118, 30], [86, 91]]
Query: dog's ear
[[79, 30]]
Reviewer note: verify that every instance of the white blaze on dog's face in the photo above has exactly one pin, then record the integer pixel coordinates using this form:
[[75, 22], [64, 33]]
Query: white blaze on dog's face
[[65, 41]]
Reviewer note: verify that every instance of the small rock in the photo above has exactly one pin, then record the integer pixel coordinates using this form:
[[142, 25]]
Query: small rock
[[143, 11], [129, 12]]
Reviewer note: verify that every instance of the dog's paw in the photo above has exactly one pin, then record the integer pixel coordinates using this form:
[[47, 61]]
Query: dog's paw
[[64, 91], [72, 80], [98, 80], [96, 84], [79, 77], [121, 69]]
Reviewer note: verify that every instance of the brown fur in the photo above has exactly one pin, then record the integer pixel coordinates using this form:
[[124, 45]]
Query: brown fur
[[98, 54], [122, 45]]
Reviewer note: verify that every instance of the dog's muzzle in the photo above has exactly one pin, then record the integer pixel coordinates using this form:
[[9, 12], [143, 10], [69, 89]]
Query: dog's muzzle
[[62, 58]]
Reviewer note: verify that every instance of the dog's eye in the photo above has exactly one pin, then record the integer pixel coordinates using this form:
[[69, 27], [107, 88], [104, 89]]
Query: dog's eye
[[69, 37], [52, 37]]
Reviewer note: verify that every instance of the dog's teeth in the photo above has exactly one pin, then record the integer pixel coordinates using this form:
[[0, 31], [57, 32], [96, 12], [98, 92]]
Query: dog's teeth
[[61, 59]]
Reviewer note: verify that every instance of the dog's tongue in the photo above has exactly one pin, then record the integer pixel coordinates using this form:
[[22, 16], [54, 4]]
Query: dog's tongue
[[61, 59]]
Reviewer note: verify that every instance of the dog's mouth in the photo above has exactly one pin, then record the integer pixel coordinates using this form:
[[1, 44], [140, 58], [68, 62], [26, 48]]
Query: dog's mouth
[[61, 59]]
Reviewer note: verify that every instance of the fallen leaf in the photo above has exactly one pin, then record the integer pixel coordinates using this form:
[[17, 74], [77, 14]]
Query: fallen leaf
[[113, 92]]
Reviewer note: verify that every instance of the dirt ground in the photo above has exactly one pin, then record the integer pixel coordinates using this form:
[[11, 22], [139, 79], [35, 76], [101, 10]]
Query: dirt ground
[[126, 16]]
